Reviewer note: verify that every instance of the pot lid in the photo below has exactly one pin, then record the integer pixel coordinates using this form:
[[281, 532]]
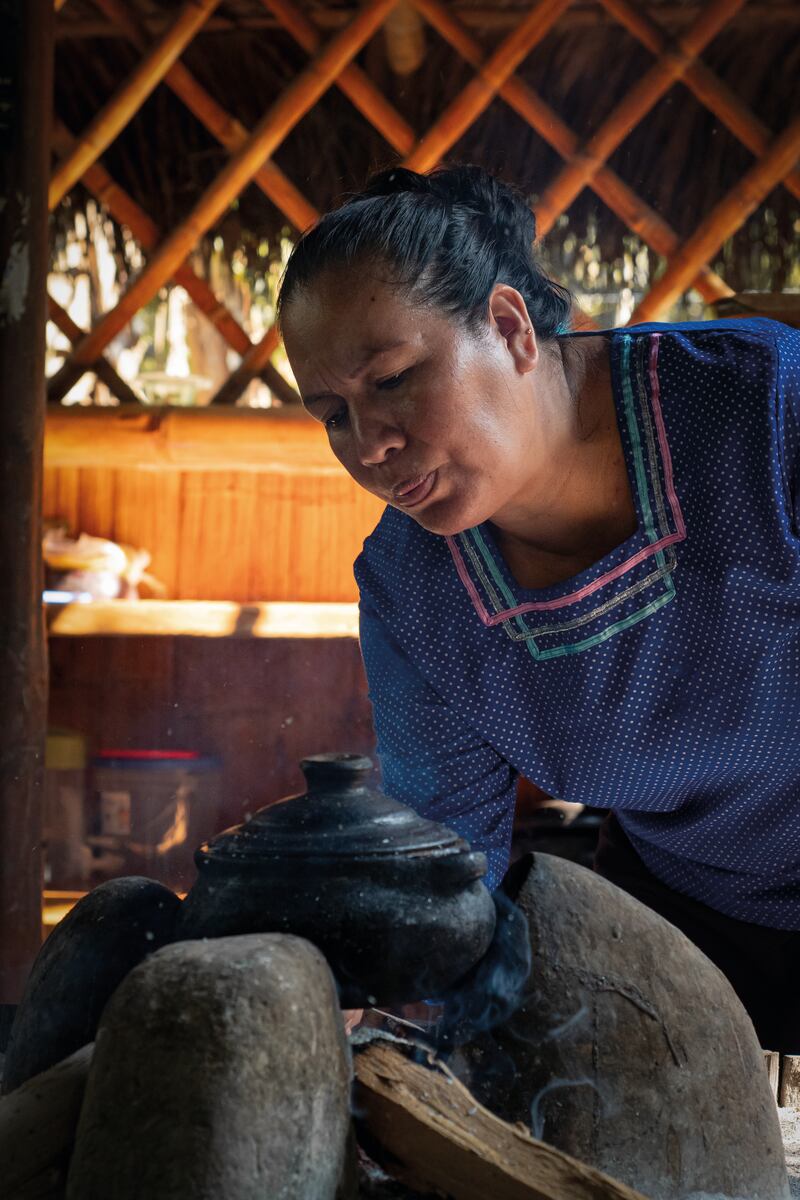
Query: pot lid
[[339, 816]]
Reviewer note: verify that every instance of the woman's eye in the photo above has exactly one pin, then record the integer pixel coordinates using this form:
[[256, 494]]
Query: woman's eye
[[336, 420], [393, 381]]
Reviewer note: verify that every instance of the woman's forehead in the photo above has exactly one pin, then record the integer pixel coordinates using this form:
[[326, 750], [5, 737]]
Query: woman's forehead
[[355, 321]]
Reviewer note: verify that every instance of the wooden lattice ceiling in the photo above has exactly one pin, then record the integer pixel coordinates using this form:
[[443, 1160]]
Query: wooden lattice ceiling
[[332, 42]]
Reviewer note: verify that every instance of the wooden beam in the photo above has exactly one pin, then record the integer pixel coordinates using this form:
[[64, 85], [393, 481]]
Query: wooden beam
[[721, 222], [27, 69], [621, 199], [129, 99], [427, 1130], [480, 91], [186, 439], [578, 16], [644, 94], [297, 99], [203, 618]]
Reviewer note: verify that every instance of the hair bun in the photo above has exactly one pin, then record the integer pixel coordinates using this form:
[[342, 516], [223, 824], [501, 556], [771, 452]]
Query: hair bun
[[446, 238], [394, 180], [502, 206], [508, 217]]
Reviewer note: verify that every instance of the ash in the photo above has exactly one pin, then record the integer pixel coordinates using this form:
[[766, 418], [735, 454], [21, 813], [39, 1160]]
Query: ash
[[790, 1130]]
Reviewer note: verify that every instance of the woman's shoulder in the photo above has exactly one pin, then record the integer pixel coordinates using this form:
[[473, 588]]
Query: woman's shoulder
[[734, 366], [397, 558], [734, 328]]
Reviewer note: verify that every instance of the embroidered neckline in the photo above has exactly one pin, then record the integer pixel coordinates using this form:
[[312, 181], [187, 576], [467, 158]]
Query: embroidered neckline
[[626, 575]]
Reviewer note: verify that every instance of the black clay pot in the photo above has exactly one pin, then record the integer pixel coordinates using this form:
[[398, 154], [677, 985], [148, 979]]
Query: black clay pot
[[395, 902]]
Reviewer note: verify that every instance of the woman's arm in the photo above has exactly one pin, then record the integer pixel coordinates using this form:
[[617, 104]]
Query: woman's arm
[[788, 401], [430, 758]]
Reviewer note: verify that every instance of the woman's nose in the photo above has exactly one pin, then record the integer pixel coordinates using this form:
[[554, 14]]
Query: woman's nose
[[376, 439]]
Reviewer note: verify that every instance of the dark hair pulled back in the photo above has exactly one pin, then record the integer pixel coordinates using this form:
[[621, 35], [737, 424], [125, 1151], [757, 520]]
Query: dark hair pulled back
[[447, 238]]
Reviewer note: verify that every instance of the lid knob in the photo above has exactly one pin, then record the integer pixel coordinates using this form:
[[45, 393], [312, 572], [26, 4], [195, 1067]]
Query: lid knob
[[335, 771]]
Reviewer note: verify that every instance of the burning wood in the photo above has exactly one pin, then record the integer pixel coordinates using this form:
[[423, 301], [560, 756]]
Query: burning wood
[[427, 1130]]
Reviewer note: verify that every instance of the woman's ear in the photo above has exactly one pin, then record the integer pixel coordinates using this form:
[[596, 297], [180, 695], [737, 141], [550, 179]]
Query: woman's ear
[[508, 313]]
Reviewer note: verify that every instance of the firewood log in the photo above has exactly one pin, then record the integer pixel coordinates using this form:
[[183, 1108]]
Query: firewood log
[[427, 1130], [37, 1128]]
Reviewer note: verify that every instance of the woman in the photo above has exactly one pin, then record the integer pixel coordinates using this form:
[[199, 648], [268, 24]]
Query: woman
[[589, 568]]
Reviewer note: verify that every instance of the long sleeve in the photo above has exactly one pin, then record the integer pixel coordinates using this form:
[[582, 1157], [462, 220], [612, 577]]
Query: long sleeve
[[430, 759]]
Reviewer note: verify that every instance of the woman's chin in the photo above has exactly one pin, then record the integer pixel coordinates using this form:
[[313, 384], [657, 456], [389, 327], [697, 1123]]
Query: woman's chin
[[443, 519]]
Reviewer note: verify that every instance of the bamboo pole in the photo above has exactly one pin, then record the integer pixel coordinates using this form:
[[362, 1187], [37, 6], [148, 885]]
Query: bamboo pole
[[250, 366], [271, 130], [717, 97], [24, 168], [357, 86], [228, 131], [480, 91], [620, 198], [103, 368], [373, 105], [126, 211], [573, 177], [130, 98], [722, 221]]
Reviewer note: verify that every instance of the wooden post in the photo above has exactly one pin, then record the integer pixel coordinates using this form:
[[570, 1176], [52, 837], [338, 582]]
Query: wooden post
[[26, 80]]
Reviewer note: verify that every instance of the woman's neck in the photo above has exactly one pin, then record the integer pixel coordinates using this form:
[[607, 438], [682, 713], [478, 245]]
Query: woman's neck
[[579, 506]]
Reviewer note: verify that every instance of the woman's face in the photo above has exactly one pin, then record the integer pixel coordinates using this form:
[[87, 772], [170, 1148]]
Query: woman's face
[[432, 419]]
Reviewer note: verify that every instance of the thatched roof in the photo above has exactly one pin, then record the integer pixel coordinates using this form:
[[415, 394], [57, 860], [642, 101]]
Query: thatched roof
[[680, 159]]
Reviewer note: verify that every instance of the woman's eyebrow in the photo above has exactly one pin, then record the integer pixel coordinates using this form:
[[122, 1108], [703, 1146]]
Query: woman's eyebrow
[[317, 396], [373, 349], [370, 352]]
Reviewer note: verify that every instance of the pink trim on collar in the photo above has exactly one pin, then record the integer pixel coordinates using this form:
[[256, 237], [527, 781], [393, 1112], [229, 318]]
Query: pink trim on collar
[[560, 602]]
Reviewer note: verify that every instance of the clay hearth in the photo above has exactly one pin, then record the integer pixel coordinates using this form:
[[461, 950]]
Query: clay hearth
[[630, 1051]]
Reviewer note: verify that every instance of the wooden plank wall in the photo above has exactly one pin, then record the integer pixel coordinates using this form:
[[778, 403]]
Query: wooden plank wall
[[225, 534], [260, 704]]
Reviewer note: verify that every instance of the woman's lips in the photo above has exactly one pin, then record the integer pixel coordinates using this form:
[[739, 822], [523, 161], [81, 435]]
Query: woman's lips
[[413, 492]]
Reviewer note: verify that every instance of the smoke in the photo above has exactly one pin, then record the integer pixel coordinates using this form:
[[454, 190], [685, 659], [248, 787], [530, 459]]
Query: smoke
[[537, 1116], [566, 1027], [494, 989]]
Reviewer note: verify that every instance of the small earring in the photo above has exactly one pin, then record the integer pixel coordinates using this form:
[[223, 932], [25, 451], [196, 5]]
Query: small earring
[[529, 329]]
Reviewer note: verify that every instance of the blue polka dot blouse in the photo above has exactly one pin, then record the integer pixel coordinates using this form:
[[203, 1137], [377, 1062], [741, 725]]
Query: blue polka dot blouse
[[663, 681]]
